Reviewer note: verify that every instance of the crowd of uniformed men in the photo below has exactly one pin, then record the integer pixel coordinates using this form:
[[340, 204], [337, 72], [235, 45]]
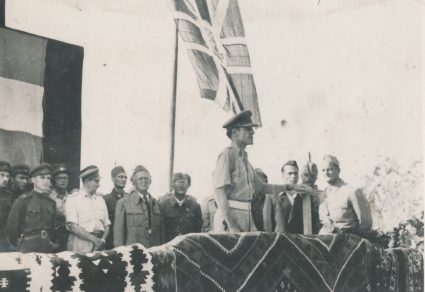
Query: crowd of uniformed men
[[37, 214]]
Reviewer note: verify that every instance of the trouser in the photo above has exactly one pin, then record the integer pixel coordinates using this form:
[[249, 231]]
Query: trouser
[[241, 214]]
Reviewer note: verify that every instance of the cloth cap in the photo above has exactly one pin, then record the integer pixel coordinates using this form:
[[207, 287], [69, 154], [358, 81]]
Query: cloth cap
[[90, 172], [40, 169], [290, 163], [59, 168], [140, 168], [20, 169], [117, 170], [4, 166], [242, 119], [179, 176], [331, 159]]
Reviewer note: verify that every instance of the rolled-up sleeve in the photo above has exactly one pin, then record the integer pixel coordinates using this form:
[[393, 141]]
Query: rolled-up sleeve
[[222, 175], [71, 211], [119, 224]]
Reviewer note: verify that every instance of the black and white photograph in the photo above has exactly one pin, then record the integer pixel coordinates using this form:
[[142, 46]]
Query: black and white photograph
[[212, 145]]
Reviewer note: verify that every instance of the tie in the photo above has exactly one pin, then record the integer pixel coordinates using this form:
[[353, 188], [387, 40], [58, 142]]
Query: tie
[[146, 200], [296, 225]]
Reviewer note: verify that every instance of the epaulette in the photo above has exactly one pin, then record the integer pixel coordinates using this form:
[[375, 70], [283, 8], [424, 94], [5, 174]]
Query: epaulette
[[26, 195], [189, 197]]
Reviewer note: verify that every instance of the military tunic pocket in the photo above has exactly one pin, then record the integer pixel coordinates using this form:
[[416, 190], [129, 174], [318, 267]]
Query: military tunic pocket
[[135, 218]]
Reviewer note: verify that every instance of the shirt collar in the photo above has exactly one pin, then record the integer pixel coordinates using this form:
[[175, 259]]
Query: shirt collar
[[179, 202], [142, 196], [238, 151]]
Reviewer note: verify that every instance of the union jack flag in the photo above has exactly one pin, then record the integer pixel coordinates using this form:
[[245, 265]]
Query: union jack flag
[[215, 37]]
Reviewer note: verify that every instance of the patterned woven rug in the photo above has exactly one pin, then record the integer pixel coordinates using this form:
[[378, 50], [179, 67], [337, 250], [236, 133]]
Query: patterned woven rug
[[121, 269], [273, 262], [223, 262]]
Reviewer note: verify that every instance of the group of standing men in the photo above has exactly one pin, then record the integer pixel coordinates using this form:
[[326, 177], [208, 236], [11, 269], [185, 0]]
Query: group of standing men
[[44, 220]]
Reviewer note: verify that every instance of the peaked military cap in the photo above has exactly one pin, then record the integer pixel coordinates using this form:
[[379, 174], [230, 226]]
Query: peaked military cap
[[20, 169], [41, 169], [4, 166], [116, 170], [242, 119], [59, 168], [90, 172]]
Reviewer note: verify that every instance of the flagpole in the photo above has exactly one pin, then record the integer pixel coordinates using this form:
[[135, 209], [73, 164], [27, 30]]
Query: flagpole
[[173, 107]]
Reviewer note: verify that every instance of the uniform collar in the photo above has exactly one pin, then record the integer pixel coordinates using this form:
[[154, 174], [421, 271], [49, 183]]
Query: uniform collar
[[179, 202], [237, 150], [117, 194]]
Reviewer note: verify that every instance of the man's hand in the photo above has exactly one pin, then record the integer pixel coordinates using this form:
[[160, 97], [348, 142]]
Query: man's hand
[[98, 243]]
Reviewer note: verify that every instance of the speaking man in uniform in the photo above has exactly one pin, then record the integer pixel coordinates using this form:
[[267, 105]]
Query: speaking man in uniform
[[86, 215], [236, 182], [119, 178], [60, 176], [32, 218]]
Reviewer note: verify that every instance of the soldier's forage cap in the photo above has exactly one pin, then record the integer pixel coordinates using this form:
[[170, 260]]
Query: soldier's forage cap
[[331, 159], [140, 168], [90, 172], [4, 166], [59, 168], [117, 170], [20, 169], [290, 163], [41, 169], [179, 176], [242, 119]]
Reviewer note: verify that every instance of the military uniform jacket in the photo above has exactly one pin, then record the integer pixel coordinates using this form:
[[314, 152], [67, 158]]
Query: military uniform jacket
[[6, 198], [31, 213], [183, 219], [132, 222]]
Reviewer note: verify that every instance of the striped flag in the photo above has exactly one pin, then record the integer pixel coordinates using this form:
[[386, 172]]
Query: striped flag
[[215, 37], [40, 87]]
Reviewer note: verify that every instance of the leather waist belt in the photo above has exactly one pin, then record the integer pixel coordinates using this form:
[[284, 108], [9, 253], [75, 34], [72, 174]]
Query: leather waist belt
[[240, 205], [36, 234]]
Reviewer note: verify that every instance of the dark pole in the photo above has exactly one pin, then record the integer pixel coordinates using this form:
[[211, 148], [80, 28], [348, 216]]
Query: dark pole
[[173, 106], [2, 13]]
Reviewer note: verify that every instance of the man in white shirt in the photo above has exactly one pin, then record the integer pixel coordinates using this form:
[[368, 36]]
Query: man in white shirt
[[86, 215]]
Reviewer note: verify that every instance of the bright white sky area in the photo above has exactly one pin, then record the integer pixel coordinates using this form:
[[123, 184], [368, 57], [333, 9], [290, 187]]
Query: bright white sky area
[[345, 75]]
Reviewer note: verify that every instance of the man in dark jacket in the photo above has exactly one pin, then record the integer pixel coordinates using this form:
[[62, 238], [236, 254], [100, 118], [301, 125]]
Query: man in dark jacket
[[182, 213]]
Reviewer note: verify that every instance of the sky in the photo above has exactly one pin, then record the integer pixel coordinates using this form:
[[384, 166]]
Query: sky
[[344, 75]]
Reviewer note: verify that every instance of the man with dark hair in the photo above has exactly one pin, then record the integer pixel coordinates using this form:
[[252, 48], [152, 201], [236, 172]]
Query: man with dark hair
[[32, 217], [138, 216], [344, 208], [182, 213], [119, 178], [283, 212], [20, 180], [87, 215], [60, 177], [6, 199], [236, 182]]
